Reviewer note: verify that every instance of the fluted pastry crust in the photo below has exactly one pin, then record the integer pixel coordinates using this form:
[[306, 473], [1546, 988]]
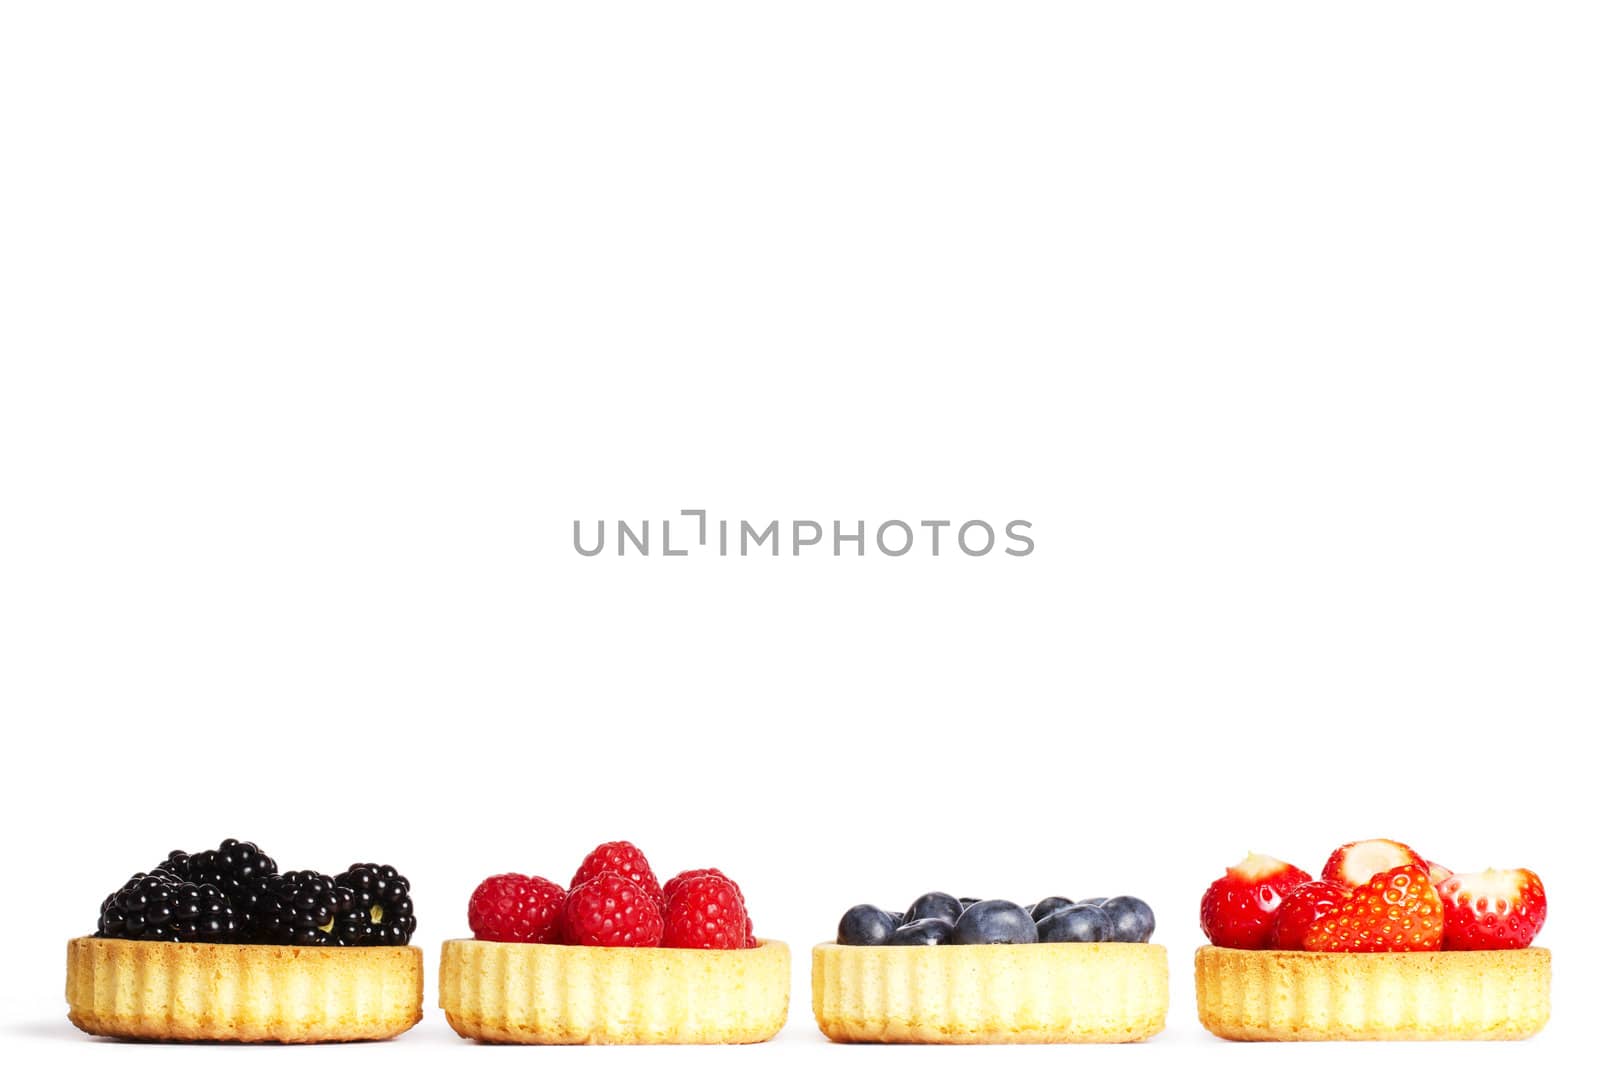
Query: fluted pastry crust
[[1372, 996], [990, 994], [192, 992], [566, 995]]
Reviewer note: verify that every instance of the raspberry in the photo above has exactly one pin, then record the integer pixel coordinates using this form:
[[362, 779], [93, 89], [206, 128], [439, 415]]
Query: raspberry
[[678, 879], [706, 912], [514, 907], [682, 876], [621, 858], [610, 911]]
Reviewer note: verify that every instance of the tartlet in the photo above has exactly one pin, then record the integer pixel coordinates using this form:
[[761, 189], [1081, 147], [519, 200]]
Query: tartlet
[[223, 992], [614, 958], [990, 994], [220, 945], [1384, 946], [1270, 995], [538, 994]]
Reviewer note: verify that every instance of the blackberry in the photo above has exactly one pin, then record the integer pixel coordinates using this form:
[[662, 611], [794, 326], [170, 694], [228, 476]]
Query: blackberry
[[299, 908], [160, 906], [383, 913], [248, 904], [233, 866]]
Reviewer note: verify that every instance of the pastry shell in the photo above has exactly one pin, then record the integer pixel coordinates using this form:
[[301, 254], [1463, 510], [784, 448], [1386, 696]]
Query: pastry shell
[[516, 993], [990, 994], [168, 991], [1372, 996]]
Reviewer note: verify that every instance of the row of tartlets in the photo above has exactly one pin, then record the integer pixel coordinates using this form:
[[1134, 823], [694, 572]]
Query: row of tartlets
[[221, 945]]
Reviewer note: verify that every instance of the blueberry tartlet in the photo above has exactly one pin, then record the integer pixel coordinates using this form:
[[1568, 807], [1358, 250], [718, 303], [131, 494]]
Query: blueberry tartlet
[[957, 970], [613, 959], [1384, 946], [221, 946]]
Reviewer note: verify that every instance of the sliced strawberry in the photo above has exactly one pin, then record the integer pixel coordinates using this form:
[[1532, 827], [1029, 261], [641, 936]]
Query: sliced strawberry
[[1397, 911], [1492, 909], [1355, 864], [1238, 909], [1438, 872], [1302, 906]]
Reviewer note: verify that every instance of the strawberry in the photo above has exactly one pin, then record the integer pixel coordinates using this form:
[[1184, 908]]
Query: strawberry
[[1396, 911], [514, 907], [1238, 909], [1354, 864], [705, 911], [1438, 872], [610, 911], [625, 859], [1302, 906], [1492, 909]]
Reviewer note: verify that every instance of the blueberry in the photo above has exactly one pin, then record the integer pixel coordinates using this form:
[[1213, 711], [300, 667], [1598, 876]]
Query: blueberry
[[899, 917], [967, 902], [923, 932], [1131, 919], [995, 922], [865, 925], [934, 906], [1047, 905], [1081, 922], [1096, 901]]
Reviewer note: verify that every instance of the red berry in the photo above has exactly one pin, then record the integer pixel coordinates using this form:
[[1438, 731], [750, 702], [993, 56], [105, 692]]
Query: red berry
[[1239, 909], [610, 911], [514, 907], [1302, 906], [678, 879], [1492, 909], [1438, 872], [705, 911], [1354, 864], [1397, 911], [621, 858]]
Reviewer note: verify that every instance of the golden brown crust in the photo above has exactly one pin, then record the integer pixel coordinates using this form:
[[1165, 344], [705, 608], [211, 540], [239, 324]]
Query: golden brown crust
[[1372, 996], [566, 995], [990, 994], [188, 992]]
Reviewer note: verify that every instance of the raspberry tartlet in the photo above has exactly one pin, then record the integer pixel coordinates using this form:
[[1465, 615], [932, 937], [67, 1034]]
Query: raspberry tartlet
[[1384, 946], [616, 959], [220, 946], [957, 970]]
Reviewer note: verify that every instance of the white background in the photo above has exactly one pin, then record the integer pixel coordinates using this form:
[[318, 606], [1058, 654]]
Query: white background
[[322, 322]]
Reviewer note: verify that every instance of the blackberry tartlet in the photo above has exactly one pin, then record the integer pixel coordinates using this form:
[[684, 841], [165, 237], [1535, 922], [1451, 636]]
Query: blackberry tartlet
[[219, 946]]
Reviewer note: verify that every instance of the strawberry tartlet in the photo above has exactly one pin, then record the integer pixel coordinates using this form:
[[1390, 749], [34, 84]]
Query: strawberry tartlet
[[1384, 945]]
